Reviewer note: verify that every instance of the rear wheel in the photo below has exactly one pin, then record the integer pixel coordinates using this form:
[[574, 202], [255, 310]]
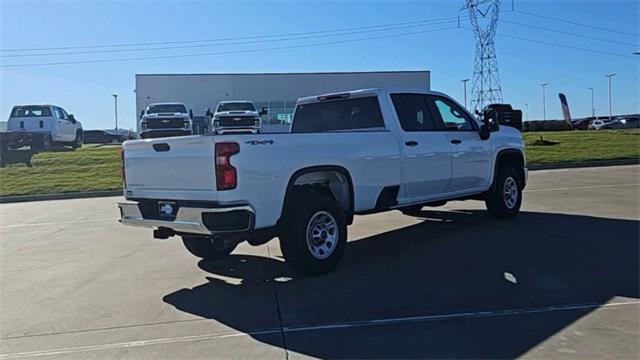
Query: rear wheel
[[315, 234], [505, 196], [202, 247], [46, 142]]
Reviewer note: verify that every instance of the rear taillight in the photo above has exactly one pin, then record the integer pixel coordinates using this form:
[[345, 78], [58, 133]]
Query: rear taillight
[[122, 174], [226, 177]]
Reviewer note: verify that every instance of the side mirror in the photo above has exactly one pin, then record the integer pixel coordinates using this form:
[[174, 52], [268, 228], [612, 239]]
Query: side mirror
[[72, 119], [263, 112], [484, 132], [141, 114]]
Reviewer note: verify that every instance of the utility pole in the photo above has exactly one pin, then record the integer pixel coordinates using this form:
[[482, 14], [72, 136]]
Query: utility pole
[[609, 76], [526, 111], [593, 108], [115, 98], [464, 82], [544, 101]]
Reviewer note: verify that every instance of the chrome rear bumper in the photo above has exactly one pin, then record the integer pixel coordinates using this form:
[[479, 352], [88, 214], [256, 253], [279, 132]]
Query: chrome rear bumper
[[187, 220]]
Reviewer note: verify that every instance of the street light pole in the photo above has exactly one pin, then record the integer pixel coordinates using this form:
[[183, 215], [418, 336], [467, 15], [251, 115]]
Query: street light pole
[[464, 82], [526, 110], [115, 98], [593, 108], [609, 76], [544, 101]]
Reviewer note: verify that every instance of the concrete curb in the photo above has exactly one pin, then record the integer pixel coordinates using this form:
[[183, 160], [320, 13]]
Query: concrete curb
[[70, 195], [583, 164], [107, 193]]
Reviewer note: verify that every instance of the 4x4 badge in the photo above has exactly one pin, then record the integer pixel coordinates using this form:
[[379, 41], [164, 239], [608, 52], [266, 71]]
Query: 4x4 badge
[[259, 142]]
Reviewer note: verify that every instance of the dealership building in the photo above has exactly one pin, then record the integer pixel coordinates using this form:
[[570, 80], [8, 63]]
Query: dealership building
[[273, 93]]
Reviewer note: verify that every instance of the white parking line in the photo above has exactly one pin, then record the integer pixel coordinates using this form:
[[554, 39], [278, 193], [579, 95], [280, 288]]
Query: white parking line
[[56, 223], [583, 187], [302, 328]]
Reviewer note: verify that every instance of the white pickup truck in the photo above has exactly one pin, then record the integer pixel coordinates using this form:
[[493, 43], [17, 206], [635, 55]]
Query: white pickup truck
[[236, 117], [346, 154], [165, 119], [50, 123]]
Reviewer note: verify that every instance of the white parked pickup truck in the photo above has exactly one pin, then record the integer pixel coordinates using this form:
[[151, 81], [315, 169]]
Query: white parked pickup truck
[[347, 154], [236, 117], [164, 120], [49, 125]]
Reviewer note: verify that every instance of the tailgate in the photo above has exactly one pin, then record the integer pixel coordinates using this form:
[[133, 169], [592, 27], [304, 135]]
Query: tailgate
[[171, 168]]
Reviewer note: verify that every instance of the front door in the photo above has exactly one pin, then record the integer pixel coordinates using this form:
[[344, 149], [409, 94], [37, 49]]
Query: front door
[[427, 163], [470, 156]]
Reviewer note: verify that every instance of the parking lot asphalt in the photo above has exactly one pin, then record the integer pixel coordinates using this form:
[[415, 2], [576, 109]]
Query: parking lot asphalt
[[559, 281]]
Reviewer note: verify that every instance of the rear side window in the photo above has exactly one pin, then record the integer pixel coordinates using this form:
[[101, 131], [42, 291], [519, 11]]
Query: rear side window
[[30, 111], [413, 112], [338, 115]]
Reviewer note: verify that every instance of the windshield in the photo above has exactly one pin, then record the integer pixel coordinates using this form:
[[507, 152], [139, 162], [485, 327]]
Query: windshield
[[167, 108], [236, 106], [31, 111]]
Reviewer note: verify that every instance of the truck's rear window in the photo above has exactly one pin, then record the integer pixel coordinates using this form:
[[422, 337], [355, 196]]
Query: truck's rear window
[[337, 115], [31, 111]]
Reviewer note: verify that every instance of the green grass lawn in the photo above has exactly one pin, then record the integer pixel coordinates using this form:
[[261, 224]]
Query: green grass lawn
[[575, 146], [89, 168], [98, 167]]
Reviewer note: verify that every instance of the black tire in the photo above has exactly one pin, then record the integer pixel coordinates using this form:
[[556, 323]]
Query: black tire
[[202, 247], [413, 210], [47, 142], [322, 217], [78, 141], [500, 204]]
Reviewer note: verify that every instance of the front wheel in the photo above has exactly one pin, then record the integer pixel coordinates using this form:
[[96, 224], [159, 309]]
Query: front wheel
[[202, 247], [315, 234], [78, 140], [505, 196]]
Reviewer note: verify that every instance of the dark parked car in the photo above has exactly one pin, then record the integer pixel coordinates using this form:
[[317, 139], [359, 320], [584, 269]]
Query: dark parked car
[[104, 137]]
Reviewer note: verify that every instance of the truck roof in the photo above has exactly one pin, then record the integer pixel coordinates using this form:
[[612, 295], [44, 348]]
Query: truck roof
[[43, 105], [235, 101], [166, 103], [363, 92]]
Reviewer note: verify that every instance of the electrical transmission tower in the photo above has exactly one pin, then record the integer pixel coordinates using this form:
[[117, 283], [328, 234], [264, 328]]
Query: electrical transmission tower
[[485, 89]]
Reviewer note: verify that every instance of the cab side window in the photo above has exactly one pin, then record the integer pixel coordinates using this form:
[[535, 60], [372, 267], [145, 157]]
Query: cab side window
[[452, 116], [63, 113], [58, 113], [413, 112]]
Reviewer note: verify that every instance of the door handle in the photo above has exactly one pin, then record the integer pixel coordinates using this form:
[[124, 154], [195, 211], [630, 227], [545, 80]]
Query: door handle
[[411, 143], [456, 141]]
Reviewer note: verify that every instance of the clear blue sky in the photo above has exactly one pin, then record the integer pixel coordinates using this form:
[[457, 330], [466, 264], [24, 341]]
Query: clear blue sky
[[85, 89]]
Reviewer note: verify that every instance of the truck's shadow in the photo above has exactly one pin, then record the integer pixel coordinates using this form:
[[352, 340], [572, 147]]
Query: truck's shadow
[[452, 262]]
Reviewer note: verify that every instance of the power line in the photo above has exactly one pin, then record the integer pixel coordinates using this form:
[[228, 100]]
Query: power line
[[229, 43], [577, 23], [569, 33], [602, 52], [228, 52], [96, 46], [568, 46]]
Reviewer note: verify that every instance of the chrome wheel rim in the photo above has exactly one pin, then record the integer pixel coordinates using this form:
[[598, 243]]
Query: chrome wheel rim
[[322, 235], [510, 192]]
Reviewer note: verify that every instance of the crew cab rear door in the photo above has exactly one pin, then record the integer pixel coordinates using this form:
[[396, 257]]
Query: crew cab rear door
[[427, 162]]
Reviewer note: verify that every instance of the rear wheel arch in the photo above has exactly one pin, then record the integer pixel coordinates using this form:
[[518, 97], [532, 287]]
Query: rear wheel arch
[[333, 179]]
